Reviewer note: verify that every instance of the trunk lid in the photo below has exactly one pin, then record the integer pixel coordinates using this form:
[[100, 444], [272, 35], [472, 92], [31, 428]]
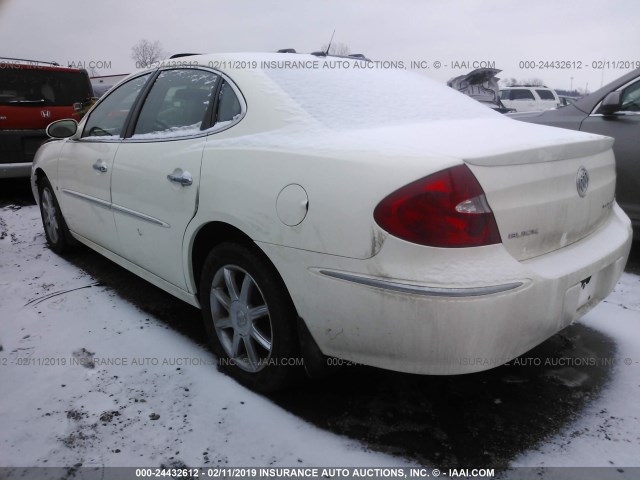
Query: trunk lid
[[529, 173], [550, 192]]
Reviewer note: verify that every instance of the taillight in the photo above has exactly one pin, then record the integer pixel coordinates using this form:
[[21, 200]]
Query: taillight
[[446, 209]]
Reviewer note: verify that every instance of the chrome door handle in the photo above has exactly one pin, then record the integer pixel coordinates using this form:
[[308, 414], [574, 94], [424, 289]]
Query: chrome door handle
[[100, 166], [178, 176]]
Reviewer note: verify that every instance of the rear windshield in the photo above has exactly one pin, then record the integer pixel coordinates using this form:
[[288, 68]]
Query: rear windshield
[[31, 86], [358, 96]]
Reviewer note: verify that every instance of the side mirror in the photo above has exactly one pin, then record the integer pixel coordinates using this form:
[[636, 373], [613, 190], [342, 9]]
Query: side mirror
[[611, 104], [62, 128], [77, 106]]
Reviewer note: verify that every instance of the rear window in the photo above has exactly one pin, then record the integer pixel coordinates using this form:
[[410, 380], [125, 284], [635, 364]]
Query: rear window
[[358, 96], [39, 87], [545, 94]]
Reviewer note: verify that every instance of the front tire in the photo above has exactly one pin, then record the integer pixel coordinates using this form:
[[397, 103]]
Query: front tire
[[55, 228], [249, 318]]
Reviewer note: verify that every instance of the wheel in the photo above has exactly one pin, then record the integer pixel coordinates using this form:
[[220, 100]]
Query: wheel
[[249, 318], [55, 228]]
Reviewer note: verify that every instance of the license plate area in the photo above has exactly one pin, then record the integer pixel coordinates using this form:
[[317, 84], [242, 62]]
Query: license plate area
[[587, 289], [585, 294]]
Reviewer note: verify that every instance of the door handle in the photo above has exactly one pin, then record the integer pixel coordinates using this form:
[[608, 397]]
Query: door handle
[[178, 176], [100, 166]]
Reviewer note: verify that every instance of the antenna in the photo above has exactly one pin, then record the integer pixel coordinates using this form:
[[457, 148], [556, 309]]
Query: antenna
[[329, 46]]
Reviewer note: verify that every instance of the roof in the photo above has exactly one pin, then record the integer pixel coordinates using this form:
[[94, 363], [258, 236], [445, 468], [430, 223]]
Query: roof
[[229, 62]]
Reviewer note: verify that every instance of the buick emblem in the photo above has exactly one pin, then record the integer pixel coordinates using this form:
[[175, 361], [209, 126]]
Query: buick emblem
[[582, 181], [45, 113]]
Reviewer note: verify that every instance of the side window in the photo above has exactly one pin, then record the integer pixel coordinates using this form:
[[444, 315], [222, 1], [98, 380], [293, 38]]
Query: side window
[[631, 98], [228, 105], [176, 104], [545, 94], [109, 117], [505, 94], [521, 94]]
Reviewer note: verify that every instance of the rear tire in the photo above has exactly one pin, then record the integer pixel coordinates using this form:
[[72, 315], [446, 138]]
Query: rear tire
[[249, 318], [55, 228]]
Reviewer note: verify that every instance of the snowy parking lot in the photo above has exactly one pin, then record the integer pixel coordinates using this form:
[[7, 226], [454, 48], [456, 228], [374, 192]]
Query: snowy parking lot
[[99, 368]]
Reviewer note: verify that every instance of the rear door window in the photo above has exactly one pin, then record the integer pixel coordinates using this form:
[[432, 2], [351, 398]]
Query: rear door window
[[521, 94], [176, 105]]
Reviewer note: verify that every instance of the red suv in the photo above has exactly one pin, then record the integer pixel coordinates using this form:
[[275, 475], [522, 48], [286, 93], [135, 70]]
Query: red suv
[[32, 95]]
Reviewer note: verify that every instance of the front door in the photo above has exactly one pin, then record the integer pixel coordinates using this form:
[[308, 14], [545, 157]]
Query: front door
[[86, 166], [156, 172]]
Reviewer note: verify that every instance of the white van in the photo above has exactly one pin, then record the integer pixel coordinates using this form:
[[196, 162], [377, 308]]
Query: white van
[[527, 98]]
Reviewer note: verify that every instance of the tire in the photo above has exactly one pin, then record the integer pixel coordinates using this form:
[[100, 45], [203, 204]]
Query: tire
[[55, 228], [249, 318]]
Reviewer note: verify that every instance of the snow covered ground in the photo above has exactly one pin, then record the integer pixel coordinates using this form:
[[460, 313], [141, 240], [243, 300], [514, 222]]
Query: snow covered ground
[[608, 431], [87, 377], [160, 401]]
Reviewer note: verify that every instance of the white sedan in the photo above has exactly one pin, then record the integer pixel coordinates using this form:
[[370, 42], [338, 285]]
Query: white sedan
[[326, 210]]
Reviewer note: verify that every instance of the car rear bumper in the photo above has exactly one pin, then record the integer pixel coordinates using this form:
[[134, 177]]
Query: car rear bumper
[[17, 150], [633, 211], [15, 170], [449, 311]]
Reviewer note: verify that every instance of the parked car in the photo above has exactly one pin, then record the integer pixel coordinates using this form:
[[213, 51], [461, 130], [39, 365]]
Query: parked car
[[613, 110], [312, 212], [565, 100], [481, 85], [102, 84], [528, 98], [32, 95]]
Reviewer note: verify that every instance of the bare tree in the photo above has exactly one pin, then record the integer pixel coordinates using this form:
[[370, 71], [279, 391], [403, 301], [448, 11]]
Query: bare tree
[[534, 82], [146, 53], [337, 49], [508, 82]]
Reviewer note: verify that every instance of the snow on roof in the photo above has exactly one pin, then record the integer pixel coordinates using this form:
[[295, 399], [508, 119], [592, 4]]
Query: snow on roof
[[342, 92]]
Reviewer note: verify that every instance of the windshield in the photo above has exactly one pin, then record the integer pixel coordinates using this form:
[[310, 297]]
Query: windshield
[[31, 86], [358, 96]]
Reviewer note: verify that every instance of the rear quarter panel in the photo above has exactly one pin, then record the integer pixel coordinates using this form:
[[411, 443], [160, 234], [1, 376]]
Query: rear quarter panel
[[240, 186]]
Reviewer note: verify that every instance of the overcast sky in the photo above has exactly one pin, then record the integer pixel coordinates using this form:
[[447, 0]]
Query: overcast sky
[[101, 33]]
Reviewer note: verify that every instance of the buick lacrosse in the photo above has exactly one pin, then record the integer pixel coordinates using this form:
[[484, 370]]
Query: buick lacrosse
[[318, 208]]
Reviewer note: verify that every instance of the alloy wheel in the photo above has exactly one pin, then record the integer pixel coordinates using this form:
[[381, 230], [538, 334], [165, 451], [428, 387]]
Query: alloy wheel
[[241, 318], [49, 215]]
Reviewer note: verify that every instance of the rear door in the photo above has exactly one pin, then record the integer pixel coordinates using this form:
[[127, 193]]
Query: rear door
[[86, 164], [624, 126], [156, 172]]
